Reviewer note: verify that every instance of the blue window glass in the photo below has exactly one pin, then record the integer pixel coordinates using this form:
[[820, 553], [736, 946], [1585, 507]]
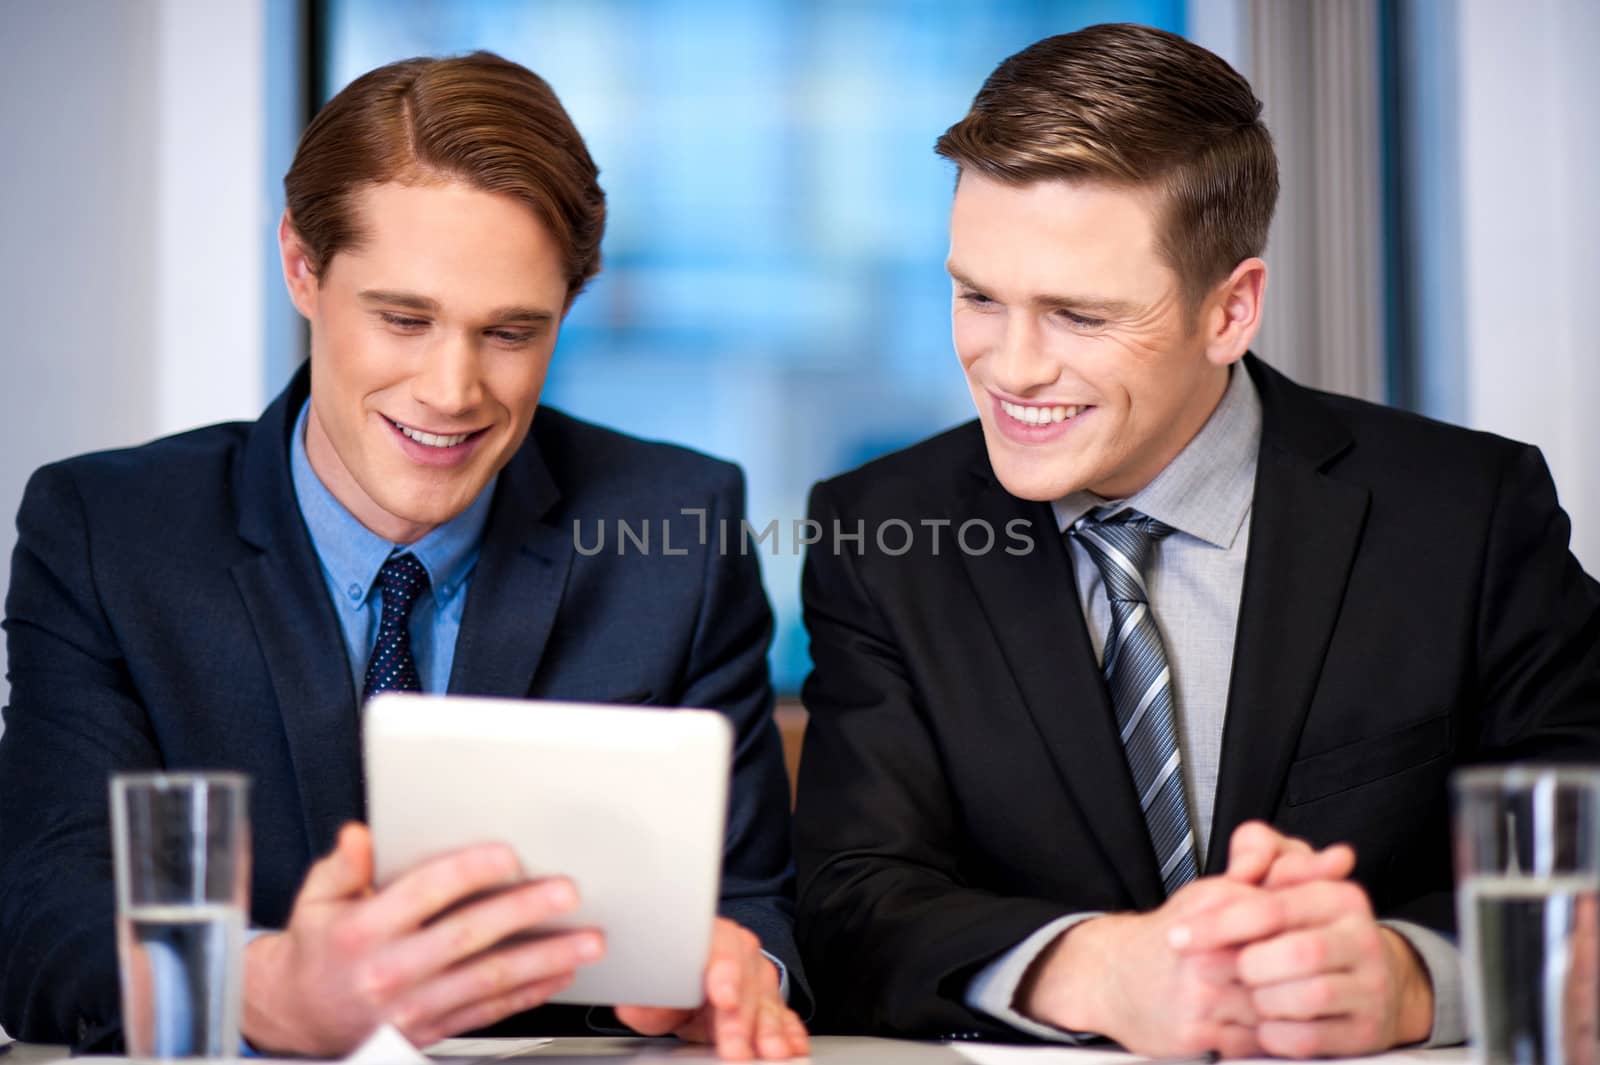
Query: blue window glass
[[773, 290]]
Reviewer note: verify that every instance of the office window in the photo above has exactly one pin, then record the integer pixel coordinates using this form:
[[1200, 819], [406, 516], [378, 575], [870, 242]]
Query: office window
[[773, 290]]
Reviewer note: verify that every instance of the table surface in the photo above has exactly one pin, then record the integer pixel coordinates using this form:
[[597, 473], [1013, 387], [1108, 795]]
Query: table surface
[[840, 1049]]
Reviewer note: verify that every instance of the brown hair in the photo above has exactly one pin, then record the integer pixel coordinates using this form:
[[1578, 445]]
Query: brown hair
[[476, 118], [1135, 106]]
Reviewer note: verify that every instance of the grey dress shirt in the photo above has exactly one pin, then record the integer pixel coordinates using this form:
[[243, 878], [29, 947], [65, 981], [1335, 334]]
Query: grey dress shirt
[[1195, 577]]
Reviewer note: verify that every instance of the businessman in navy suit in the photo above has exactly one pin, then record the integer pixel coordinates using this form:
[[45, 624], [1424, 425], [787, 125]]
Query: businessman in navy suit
[[399, 518]]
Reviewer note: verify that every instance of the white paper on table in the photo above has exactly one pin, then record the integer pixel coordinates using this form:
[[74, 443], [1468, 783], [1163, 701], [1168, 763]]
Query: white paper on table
[[1008, 1054], [485, 1049], [386, 1046]]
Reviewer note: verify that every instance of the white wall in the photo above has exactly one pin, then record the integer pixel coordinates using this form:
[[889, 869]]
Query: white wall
[[131, 280], [1530, 238], [213, 150]]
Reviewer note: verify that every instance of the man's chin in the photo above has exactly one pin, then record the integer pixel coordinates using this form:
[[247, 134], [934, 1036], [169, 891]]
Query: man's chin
[[425, 506], [1036, 489], [1035, 477]]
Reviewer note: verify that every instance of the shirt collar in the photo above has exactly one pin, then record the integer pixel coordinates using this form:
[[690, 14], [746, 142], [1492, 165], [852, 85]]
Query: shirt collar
[[353, 554], [1206, 491]]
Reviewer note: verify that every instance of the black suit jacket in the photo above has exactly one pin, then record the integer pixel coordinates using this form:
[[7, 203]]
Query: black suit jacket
[[167, 610], [1409, 605]]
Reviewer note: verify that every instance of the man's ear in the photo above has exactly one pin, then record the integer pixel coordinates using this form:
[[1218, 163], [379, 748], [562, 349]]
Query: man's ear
[[298, 274], [1232, 313]]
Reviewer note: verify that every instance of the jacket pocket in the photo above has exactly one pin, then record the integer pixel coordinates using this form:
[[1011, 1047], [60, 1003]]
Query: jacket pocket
[[1365, 761]]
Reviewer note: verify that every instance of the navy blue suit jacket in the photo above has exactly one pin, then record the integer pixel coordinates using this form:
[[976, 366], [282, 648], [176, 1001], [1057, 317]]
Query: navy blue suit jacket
[[167, 610]]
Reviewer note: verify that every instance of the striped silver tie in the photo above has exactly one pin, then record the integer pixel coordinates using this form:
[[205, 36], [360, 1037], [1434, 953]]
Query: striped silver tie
[[1140, 681]]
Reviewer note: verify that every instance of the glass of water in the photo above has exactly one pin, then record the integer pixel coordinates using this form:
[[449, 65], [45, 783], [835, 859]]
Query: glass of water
[[181, 845], [1527, 852]]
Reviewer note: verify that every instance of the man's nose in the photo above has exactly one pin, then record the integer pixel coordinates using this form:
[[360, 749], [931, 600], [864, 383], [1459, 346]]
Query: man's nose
[[451, 381], [1020, 364]]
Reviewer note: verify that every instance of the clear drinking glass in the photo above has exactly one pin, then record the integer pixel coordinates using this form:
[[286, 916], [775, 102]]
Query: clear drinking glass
[[181, 844], [1527, 853]]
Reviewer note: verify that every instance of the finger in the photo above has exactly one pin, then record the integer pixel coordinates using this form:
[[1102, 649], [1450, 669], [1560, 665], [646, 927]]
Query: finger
[[1207, 895], [1270, 913], [1195, 1038], [1332, 863], [499, 973], [752, 986], [654, 1020], [1229, 926], [723, 983], [1304, 954], [795, 1029], [484, 1013], [1326, 996], [733, 1026], [345, 871], [474, 929], [731, 1038], [434, 886], [1339, 1037], [1234, 1006], [1237, 1041], [771, 1042], [1218, 967], [1253, 847]]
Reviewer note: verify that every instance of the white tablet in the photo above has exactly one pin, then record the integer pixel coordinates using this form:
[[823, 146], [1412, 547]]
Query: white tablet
[[629, 803]]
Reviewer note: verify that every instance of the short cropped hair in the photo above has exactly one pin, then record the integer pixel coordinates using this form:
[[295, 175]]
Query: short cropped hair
[[479, 119], [1135, 106]]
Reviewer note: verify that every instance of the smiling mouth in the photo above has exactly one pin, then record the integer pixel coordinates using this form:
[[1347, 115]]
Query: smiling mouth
[[1027, 415], [436, 440]]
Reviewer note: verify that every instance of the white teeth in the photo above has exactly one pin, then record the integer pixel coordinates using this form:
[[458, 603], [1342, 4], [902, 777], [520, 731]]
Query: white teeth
[[431, 439], [1040, 415]]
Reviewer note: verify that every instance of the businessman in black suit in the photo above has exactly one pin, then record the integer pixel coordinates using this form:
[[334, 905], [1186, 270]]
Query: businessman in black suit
[[1133, 705], [224, 599]]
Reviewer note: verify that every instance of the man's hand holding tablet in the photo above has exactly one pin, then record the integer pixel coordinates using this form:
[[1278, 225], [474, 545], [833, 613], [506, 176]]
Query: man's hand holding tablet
[[413, 956], [410, 925], [354, 957]]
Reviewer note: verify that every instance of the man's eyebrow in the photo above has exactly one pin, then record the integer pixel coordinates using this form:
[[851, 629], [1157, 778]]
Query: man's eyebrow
[[522, 315], [500, 315], [398, 299], [962, 279], [1092, 305]]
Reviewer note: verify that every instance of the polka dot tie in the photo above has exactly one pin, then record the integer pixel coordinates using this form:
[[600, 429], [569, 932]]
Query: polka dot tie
[[391, 668]]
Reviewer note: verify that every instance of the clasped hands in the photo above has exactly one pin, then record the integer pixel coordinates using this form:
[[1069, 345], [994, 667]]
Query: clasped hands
[[1280, 955], [430, 954]]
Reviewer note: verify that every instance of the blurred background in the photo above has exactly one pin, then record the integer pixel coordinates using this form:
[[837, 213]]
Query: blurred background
[[773, 290]]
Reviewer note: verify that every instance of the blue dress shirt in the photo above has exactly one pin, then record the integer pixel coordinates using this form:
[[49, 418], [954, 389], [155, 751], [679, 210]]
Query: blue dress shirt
[[352, 555]]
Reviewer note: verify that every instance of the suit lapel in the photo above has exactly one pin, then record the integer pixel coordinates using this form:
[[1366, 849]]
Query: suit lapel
[[298, 634], [1305, 528], [1054, 667], [517, 586]]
